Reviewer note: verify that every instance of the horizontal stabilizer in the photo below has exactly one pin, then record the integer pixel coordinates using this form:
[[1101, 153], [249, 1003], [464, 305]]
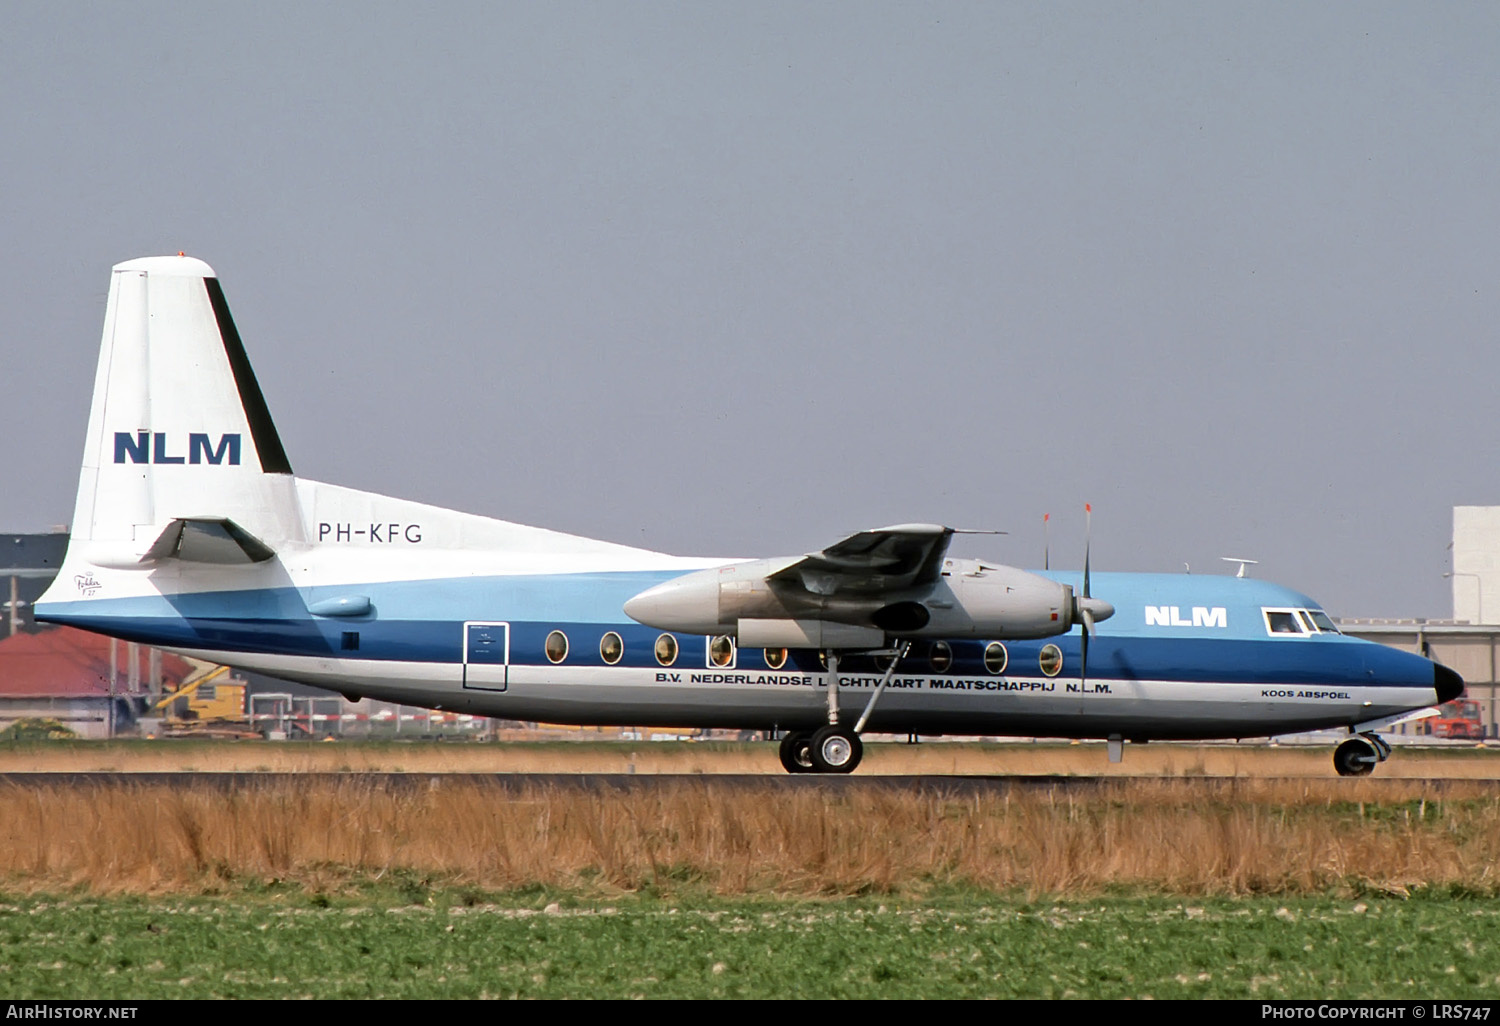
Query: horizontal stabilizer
[[209, 540]]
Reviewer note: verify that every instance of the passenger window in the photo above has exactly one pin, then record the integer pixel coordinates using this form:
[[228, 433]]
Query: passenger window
[[995, 657], [940, 656], [611, 648], [1050, 660], [557, 646], [666, 650], [721, 651], [775, 658]]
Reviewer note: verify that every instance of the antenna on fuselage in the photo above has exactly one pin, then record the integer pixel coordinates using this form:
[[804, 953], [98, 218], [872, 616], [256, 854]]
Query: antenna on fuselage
[[1242, 562], [1046, 541]]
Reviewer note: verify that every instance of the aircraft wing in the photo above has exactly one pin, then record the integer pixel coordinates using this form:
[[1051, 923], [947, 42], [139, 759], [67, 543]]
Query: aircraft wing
[[885, 559]]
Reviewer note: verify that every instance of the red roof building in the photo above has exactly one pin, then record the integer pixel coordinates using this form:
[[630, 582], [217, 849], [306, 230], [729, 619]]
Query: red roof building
[[63, 673]]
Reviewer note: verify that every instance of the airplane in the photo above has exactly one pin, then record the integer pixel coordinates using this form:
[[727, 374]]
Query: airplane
[[191, 533]]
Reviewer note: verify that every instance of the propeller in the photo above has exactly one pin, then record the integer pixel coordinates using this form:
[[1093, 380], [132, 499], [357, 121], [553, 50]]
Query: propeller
[[1088, 610], [1084, 612]]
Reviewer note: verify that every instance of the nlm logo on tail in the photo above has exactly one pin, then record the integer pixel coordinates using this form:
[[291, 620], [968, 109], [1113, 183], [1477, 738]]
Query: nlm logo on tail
[[152, 447]]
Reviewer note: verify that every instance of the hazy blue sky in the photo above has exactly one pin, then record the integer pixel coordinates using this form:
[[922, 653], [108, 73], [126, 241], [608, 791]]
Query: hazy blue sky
[[739, 278]]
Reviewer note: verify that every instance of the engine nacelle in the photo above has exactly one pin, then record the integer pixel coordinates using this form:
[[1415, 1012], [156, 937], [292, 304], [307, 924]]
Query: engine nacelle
[[751, 633], [970, 599], [980, 600]]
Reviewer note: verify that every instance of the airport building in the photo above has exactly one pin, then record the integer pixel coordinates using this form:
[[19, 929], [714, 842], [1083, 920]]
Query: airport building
[[97, 687], [1466, 641], [1476, 564], [90, 685], [28, 562], [1467, 648]]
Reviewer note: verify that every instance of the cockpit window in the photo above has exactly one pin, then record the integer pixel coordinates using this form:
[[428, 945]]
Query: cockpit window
[[1283, 621], [1299, 623], [1324, 623]]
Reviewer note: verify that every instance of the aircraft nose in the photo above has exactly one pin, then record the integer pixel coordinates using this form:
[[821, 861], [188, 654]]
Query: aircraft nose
[[1448, 684]]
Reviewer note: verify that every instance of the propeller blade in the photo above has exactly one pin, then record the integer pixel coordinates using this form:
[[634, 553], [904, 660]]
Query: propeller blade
[[1088, 632], [1086, 605], [1088, 537]]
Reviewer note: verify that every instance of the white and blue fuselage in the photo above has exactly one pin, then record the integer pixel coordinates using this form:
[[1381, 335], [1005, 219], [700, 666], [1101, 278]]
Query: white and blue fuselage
[[477, 643], [192, 534]]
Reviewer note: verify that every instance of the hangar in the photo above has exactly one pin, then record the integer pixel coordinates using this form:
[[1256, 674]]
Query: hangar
[[1468, 648]]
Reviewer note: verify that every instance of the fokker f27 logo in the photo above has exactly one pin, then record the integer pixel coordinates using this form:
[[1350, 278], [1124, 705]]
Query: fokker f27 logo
[[87, 584], [152, 447]]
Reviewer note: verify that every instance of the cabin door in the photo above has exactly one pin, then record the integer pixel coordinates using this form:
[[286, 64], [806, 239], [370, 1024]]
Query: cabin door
[[486, 656]]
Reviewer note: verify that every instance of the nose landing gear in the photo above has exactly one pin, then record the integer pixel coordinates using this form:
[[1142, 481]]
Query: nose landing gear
[[1358, 756]]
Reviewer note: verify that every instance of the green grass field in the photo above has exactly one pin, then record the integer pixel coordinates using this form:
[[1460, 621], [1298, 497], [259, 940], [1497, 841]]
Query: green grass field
[[408, 941], [1180, 885]]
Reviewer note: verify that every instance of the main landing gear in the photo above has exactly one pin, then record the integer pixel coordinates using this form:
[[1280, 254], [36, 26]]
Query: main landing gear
[[837, 748], [832, 749], [1358, 756]]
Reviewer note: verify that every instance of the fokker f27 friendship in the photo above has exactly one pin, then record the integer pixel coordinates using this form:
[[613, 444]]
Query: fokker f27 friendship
[[192, 533]]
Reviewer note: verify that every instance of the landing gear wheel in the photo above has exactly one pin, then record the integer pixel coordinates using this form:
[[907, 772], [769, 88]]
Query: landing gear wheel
[[796, 752], [836, 750], [1356, 757]]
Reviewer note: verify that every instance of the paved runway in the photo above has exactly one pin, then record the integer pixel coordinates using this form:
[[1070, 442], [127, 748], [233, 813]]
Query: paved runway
[[1368, 788]]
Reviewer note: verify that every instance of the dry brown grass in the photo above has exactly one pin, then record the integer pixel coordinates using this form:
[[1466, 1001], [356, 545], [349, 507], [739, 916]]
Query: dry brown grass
[[1170, 760], [1192, 837]]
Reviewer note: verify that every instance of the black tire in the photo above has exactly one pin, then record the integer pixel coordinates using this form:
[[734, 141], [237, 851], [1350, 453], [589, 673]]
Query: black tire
[[1356, 757], [836, 750], [796, 752]]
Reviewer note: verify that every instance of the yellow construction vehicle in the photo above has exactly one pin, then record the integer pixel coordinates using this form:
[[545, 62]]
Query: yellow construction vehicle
[[206, 707]]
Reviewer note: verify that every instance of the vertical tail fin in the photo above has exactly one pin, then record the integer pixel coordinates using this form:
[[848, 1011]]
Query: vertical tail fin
[[179, 429]]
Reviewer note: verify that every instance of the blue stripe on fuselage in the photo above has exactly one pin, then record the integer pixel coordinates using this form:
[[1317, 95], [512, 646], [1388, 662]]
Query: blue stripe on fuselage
[[585, 606]]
